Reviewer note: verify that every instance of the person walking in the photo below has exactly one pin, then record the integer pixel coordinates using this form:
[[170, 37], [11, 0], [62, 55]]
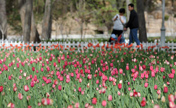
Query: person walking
[[133, 24], [119, 22]]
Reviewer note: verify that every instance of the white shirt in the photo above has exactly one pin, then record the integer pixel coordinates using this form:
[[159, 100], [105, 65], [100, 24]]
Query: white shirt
[[118, 24]]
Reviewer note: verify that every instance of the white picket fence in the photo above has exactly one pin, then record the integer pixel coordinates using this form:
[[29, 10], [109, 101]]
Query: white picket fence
[[80, 45]]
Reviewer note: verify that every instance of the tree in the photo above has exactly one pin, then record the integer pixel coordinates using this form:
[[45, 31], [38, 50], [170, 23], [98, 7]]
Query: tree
[[142, 25], [3, 19], [47, 21], [26, 7], [34, 32]]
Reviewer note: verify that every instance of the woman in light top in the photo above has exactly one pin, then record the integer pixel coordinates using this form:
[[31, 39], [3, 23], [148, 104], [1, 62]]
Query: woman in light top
[[119, 22]]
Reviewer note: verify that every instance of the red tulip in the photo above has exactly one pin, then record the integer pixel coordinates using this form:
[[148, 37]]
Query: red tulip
[[94, 101], [33, 68], [165, 89], [119, 86], [29, 106], [143, 103], [1, 88], [135, 94]]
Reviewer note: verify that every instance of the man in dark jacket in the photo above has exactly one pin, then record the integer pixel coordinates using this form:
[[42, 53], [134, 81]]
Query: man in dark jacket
[[133, 24]]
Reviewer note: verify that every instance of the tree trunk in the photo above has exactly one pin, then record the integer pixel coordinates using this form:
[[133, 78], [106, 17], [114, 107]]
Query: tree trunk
[[3, 19], [142, 25], [47, 21], [34, 33], [26, 15]]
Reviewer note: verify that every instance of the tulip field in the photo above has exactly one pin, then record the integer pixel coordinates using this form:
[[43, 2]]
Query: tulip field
[[88, 79]]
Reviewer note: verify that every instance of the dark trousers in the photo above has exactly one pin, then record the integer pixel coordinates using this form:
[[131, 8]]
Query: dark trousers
[[133, 36], [116, 32]]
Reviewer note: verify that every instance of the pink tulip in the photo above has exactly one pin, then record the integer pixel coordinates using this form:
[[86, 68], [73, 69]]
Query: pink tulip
[[79, 89], [146, 76], [127, 67], [120, 71], [97, 82], [26, 88], [59, 87], [11, 105], [104, 103], [86, 105], [171, 104], [110, 78], [171, 75], [171, 98], [48, 81], [111, 64], [158, 92], [155, 87], [61, 78], [42, 69], [110, 97], [173, 71], [67, 80], [153, 74], [156, 106], [133, 70], [80, 80], [129, 89], [20, 96], [15, 89], [164, 77], [76, 105], [10, 77], [118, 93], [35, 77], [142, 75], [162, 69], [89, 76], [146, 85], [70, 106], [32, 84]]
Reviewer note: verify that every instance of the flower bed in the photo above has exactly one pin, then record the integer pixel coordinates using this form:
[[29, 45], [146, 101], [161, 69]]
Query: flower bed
[[87, 79]]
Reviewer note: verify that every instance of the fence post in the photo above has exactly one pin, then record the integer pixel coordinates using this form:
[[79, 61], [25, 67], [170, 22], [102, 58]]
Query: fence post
[[172, 45]]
